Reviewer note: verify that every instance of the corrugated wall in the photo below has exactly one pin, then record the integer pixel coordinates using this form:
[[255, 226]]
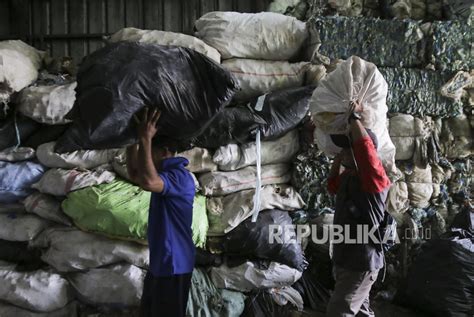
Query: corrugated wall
[[76, 27]]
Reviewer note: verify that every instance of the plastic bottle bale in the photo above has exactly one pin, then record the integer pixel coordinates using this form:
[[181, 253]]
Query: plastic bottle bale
[[17, 178], [420, 185], [40, 291], [264, 35], [47, 104], [165, 38], [416, 92], [450, 45], [224, 183], [386, 43], [456, 137], [397, 199], [258, 77], [69, 250]]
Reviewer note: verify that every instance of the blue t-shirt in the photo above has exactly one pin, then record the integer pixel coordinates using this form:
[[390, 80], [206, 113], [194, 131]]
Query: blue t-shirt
[[170, 237]]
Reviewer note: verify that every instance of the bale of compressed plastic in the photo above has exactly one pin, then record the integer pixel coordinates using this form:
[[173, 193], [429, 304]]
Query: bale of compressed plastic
[[450, 45], [386, 43], [417, 92]]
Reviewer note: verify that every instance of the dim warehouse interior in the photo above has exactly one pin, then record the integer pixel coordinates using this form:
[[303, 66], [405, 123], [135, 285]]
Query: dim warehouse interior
[[224, 158]]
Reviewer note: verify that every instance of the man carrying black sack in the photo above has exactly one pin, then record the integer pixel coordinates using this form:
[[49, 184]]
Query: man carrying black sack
[[361, 192], [156, 169]]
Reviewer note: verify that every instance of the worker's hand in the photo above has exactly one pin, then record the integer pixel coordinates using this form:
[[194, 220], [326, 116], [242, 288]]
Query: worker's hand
[[147, 125], [356, 107]]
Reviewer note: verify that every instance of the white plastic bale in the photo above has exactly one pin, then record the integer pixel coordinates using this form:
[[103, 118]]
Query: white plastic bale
[[40, 290], [404, 130], [420, 186], [224, 183], [19, 64], [6, 310], [166, 38], [352, 80], [69, 250], [200, 160], [248, 276], [60, 182], [47, 104], [314, 74], [119, 285], [86, 159], [264, 35], [258, 77], [21, 227], [397, 200], [232, 157], [17, 154], [227, 212], [47, 207]]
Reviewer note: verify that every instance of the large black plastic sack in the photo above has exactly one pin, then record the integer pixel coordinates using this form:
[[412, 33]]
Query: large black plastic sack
[[315, 295], [19, 253], [440, 280], [261, 304], [117, 81], [8, 136], [251, 240], [282, 111], [45, 134]]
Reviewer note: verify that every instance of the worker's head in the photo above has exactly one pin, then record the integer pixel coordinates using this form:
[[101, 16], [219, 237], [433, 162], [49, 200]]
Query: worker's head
[[342, 141], [163, 150]]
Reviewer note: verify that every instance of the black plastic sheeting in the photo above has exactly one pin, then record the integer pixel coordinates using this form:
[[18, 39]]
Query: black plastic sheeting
[[282, 111], [315, 295], [205, 258], [261, 304], [119, 80], [251, 240], [440, 280], [416, 92], [8, 136], [45, 134]]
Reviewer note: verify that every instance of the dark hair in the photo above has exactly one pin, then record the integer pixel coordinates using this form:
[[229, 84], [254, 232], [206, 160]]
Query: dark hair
[[169, 144], [343, 141]]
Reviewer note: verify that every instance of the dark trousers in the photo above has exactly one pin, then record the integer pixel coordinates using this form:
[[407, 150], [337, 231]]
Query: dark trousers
[[165, 296]]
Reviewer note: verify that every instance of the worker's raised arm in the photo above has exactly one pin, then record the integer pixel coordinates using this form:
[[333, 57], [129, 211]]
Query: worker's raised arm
[[371, 171], [132, 162], [147, 175]]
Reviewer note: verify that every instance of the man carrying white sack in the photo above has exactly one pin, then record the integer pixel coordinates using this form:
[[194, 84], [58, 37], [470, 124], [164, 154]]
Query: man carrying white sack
[[361, 191], [155, 168]]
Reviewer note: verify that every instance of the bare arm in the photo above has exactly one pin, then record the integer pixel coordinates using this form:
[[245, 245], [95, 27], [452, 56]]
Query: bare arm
[[147, 175]]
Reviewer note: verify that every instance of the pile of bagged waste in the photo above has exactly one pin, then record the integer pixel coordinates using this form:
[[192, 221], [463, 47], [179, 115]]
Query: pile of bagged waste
[[75, 226]]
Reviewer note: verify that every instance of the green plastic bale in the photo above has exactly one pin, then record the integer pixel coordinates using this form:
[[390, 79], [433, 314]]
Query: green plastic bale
[[118, 209], [386, 43], [200, 222], [205, 300], [417, 92]]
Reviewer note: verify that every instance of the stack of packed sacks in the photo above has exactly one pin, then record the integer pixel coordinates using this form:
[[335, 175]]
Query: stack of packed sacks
[[252, 264], [261, 50]]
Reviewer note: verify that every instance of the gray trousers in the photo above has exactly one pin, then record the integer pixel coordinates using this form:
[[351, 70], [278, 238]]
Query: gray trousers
[[351, 293]]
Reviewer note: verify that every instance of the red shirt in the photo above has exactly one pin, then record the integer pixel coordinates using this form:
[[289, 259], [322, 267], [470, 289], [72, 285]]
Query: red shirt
[[371, 172]]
